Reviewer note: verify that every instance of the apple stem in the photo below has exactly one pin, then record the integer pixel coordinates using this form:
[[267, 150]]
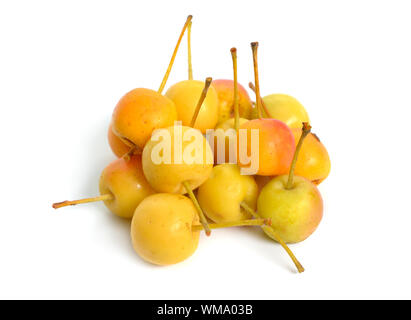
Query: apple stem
[[236, 110], [127, 156], [254, 47], [305, 132], [170, 65], [207, 84], [250, 222], [190, 66], [132, 148], [193, 198], [103, 197], [271, 231], [251, 86]]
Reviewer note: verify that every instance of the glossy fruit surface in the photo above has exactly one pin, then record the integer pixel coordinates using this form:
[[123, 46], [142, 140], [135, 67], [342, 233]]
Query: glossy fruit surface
[[295, 213], [118, 147], [189, 158], [139, 112], [161, 229], [275, 147], [225, 92], [284, 108], [313, 160], [221, 195], [222, 138], [185, 95], [126, 182]]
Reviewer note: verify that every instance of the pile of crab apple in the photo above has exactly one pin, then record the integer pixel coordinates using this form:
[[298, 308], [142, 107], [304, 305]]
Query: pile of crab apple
[[185, 164]]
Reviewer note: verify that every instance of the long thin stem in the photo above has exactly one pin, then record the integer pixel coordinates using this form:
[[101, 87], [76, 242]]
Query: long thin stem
[[251, 86], [207, 84], [190, 66], [304, 133], [236, 110], [241, 223], [275, 235], [193, 198], [170, 65], [103, 197], [254, 47]]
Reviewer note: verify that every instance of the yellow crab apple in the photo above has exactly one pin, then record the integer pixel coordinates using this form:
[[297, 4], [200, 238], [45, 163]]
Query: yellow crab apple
[[122, 187], [161, 229], [140, 111], [224, 191], [175, 155], [313, 161], [185, 95], [284, 108]]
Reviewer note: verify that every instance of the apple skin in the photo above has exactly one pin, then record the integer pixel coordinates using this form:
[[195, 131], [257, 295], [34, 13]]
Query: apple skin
[[226, 125], [230, 123], [185, 95], [124, 179], [161, 229], [295, 213], [276, 146], [225, 91], [221, 195], [313, 160], [139, 113], [118, 147], [285, 108], [169, 177]]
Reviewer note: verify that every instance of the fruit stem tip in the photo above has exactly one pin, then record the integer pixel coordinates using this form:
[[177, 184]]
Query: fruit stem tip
[[306, 127], [59, 204]]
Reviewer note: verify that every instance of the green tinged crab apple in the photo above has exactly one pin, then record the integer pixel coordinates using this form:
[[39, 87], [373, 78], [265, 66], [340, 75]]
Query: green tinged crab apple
[[293, 203]]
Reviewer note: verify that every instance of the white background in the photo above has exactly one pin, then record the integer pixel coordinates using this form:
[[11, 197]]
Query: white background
[[65, 64]]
